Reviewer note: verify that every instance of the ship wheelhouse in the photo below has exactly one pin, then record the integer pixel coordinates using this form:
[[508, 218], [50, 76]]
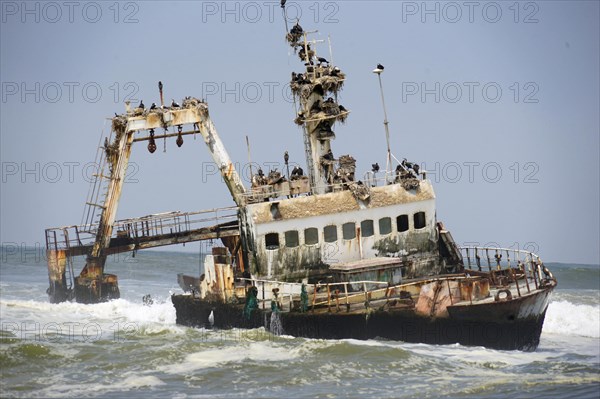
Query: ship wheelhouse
[[339, 236]]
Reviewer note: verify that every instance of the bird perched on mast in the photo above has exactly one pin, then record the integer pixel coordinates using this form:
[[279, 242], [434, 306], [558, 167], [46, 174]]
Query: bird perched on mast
[[297, 29], [378, 69], [322, 60], [283, 3], [329, 156]]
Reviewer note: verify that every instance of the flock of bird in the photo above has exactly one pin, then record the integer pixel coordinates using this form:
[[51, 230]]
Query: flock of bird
[[302, 79], [153, 106], [405, 166]]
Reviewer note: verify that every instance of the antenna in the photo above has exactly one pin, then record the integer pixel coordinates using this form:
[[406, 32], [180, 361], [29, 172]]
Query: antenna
[[331, 63], [249, 160], [330, 52], [284, 12], [379, 70], [160, 91]]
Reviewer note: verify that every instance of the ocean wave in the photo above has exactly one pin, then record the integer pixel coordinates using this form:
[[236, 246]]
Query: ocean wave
[[131, 382], [250, 352], [567, 318], [117, 318]]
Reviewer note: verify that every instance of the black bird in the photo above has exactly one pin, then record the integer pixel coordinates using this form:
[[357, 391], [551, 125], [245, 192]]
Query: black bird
[[153, 106], [283, 3], [297, 29], [406, 164], [375, 167], [142, 106], [303, 50], [116, 115], [342, 108], [322, 60], [174, 104], [379, 66], [297, 171], [329, 100], [294, 76], [416, 168], [325, 129], [328, 156]]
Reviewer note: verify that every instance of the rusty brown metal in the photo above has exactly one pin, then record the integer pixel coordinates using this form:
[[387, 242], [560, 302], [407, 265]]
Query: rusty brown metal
[[514, 278], [167, 135], [450, 292], [58, 290]]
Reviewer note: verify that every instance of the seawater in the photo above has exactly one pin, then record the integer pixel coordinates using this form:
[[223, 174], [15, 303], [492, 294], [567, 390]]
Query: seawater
[[124, 348]]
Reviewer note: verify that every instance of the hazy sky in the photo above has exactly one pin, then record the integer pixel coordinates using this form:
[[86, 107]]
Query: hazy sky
[[498, 100]]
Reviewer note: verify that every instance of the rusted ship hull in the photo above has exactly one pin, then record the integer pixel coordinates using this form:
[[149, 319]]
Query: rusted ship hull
[[507, 325]]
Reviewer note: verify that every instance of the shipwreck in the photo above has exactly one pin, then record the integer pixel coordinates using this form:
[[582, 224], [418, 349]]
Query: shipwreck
[[318, 254]]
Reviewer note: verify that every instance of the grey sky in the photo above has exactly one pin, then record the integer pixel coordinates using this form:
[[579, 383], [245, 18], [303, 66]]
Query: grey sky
[[508, 123]]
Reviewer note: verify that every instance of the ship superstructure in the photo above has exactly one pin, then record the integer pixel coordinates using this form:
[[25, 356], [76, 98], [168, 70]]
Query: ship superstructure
[[331, 224]]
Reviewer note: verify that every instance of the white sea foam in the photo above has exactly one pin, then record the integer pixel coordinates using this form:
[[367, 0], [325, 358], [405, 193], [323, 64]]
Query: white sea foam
[[255, 351], [566, 318], [89, 321], [130, 382]]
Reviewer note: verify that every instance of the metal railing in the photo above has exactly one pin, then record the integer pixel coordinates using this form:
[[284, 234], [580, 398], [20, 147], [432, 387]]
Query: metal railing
[[370, 180], [67, 237], [330, 297], [509, 260]]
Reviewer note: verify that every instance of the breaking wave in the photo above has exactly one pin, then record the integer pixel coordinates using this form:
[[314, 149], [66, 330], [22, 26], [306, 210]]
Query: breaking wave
[[564, 317], [101, 320]]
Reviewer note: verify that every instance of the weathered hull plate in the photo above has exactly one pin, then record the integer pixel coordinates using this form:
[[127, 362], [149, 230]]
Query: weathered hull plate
[[491, 325]]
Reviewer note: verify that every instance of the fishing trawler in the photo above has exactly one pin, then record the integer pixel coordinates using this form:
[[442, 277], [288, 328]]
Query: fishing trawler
[[319, 254], [330, 256]]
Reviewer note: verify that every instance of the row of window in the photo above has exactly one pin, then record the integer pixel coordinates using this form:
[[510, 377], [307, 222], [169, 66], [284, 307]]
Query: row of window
[[330, 233]]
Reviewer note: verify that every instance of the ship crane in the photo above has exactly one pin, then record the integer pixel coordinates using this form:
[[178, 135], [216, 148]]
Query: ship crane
[[97, 240]]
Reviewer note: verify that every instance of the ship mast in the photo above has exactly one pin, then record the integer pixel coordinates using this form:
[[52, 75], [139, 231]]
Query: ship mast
[[379, 71], [316, 89]]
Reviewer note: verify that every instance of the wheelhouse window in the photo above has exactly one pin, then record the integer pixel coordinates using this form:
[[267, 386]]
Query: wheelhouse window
[[385, 226], [419, 220], [272, 241], [330, 233], [366, 228], [402, 222], [311, 236], [349, 231], [291, 239]]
